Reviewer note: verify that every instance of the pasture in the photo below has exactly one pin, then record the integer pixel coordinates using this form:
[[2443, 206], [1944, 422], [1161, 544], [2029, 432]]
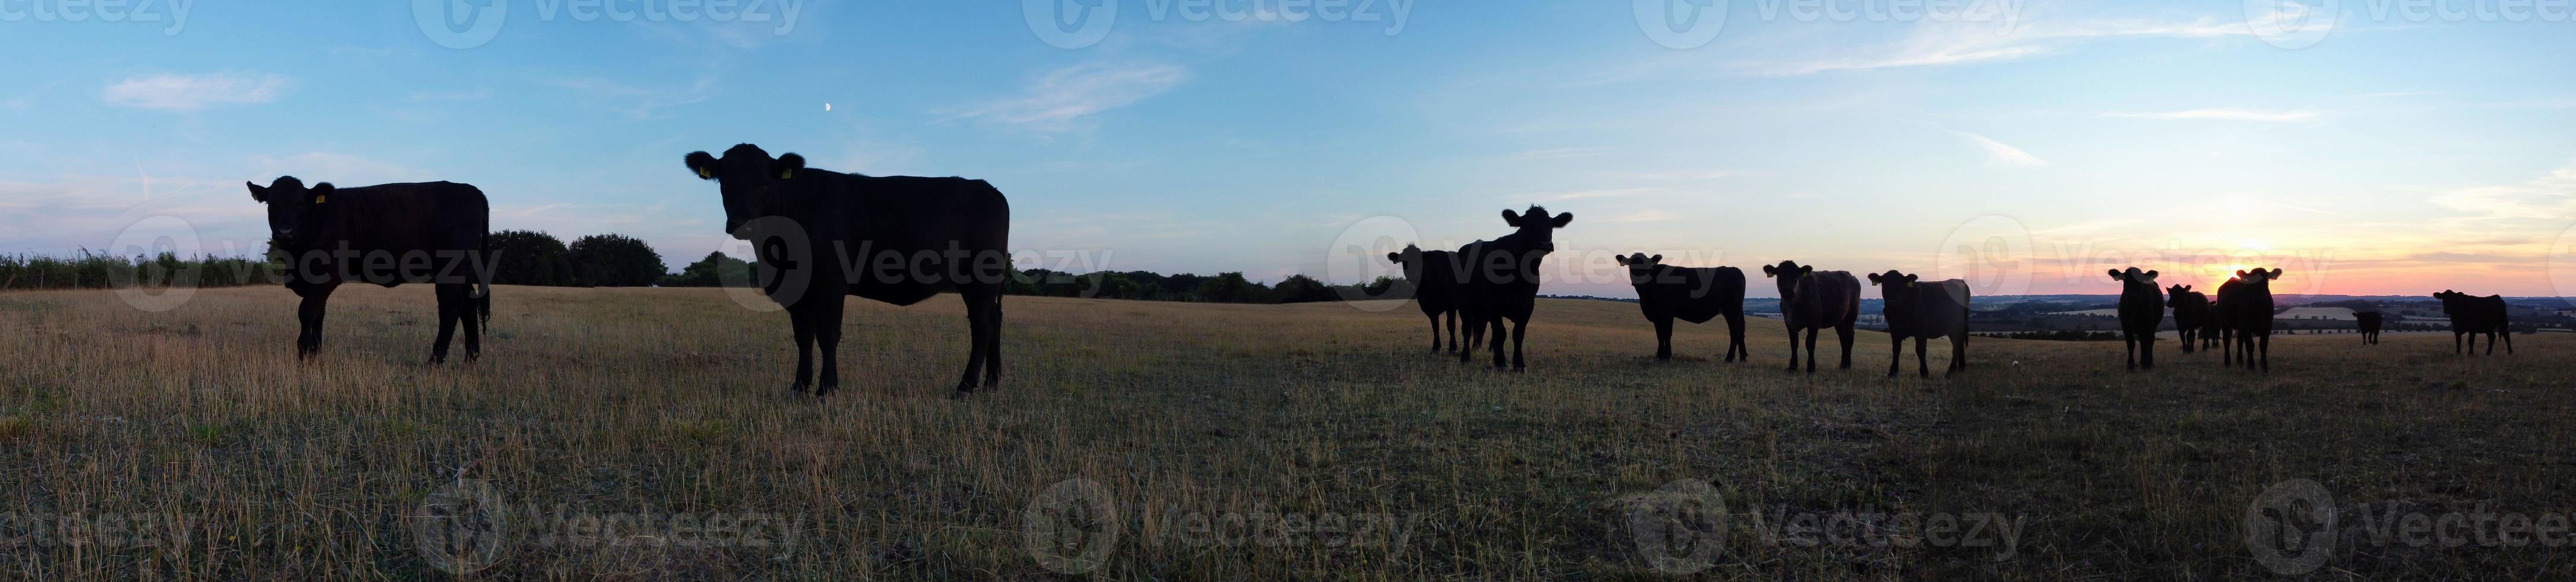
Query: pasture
[[646, 434]]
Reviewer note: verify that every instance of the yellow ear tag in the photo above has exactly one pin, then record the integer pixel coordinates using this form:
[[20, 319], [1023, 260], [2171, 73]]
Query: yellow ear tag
[[704, 173], [786, 174], [319, 199], [1909, 284]]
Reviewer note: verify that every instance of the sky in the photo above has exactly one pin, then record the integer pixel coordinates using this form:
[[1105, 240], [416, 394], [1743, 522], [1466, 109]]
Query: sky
[[2363, 146]]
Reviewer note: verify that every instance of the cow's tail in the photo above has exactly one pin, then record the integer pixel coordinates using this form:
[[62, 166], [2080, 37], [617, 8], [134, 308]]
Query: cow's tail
[[483, 281]]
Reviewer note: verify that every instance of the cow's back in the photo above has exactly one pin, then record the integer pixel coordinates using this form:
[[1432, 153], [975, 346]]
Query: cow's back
[[903, 239], [1708, 292], [397, 218], [1824, 299]]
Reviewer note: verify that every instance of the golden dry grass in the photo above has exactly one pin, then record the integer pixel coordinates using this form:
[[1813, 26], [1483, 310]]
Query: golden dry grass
[[192, 445]]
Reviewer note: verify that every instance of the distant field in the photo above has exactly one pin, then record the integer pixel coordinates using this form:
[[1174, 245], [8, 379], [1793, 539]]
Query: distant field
[[645, 434]]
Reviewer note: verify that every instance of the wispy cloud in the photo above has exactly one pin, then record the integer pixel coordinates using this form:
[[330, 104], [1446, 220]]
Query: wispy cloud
[[174, 92], [1064, 99], [2224, 115], [639, 102], [2546, 201], [2000, 152], [1944, 44]]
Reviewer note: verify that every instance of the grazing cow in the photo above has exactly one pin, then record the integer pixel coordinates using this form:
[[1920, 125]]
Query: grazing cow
[[2142, 309], [2191, 314], [1812, 301], [823, 235], [386, 235], [1501, 280], [2369, 322], [2471, 315], [1693, 294], [2246, 303], [1434, 275], [1924, 311]]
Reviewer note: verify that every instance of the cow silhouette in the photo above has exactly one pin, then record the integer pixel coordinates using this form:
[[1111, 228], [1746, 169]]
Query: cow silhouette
[[2246, 303], [2190, 313], [2142, 310], [386, 235], [1924, 311], [2472, 315], [1434, 275], [823, 235], [1693, 294], [1811, 300], [1501, 281], [2369, 322], [2213, 329]]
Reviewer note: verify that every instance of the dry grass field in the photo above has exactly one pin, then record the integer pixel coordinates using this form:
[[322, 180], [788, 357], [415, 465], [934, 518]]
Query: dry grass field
[[645, 434]]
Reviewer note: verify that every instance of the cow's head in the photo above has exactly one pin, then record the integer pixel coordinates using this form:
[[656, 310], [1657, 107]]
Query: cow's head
[[1897, 288], [2259, 277], [1537, 227], [749, 180], [2135, 279], [1641, 268], [2179, 293], [2450, 299], [1788, 273], [291, 207], [1409, 259]]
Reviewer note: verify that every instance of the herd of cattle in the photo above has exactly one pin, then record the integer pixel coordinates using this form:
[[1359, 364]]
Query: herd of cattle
[[822, 235]]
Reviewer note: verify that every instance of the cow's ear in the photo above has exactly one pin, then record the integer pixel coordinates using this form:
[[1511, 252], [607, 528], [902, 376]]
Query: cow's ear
[[2241, 275], [1912, 278], [1622, 259], [1657, 259], [1511, 218], [322, 192], [2115, 273], [1562, 219], [1806, 270], [1873, 279], [787, 166], [2151, 274], [257, 193], [1397, 258], [2276, 273], [2186, 287], [703, 164], [1770, 270]]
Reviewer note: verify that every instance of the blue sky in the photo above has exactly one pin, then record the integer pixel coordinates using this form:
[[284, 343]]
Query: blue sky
[[2373, 152]]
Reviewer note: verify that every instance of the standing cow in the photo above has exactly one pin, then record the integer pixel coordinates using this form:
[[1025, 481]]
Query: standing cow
[[1502, 281], [2246, 303], [2213, 329], [2142, 310], [386, 235], [1924, 311], [2471, 315], [1812, 301], [1434, 275], [2369, 322], [2190, 312], [1693, 294], [822, 235]]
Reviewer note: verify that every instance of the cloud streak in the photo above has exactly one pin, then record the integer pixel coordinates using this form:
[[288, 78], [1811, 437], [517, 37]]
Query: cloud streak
[[2000, 152], [1064, 100], [2224, 115], [174, 92]]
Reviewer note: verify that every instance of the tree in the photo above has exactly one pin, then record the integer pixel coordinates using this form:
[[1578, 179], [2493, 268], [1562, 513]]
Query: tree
[[1303, 289], [611, 260], [717, 270], [1230, 288], [528, 258]]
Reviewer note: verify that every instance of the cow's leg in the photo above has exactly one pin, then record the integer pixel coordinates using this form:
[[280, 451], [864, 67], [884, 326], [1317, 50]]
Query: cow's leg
[[1793, 349], [1958, 351], [1452, 316], [1922, 362], [1474, 332], [2508, 342], [1735, 337], [2455, 343], [800, 316], [308, 316], [993, 344], [2185, 334], [2267, 352], [1494, 338], [826, 329], [2129, 341], [1896, 356], [1845, 333], [1520, 329], [451, 305], [979, 316], [1664, 340], [473, 326], [2147, 349], [1811, 349]]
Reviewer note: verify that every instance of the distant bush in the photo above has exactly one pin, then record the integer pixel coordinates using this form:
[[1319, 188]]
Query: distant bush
[[95, 270]]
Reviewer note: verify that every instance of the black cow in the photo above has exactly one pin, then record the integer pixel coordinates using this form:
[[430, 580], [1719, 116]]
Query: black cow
[[385, 235], [2471, 315], [1501, 280], [1434, 275], [2213, 329], [2142, 310], [2246, 303], [2369, 322], [1924, 311], [1693, 294], [1812, 301], [2190, 312], [822, 235]]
